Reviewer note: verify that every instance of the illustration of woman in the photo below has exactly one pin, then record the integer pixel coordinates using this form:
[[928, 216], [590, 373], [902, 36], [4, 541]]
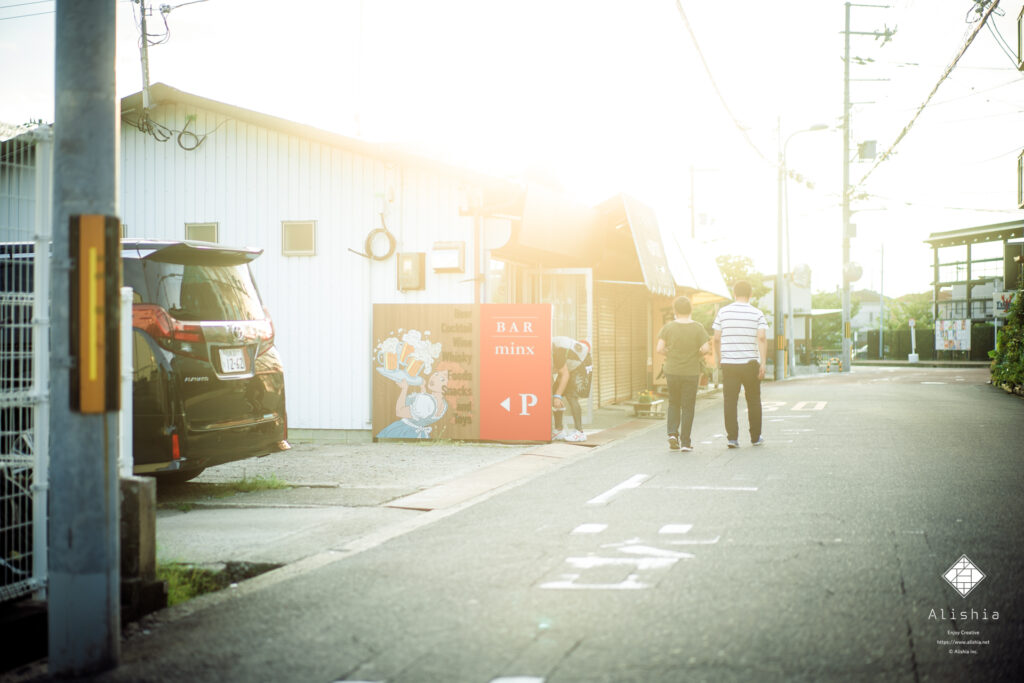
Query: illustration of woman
[[419, 410]]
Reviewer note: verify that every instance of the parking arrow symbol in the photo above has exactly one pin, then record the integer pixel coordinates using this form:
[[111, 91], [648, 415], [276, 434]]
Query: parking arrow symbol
[[507, 404]]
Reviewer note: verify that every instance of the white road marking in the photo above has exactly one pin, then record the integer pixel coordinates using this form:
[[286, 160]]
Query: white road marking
[[713, 488], [932, 382], [631, 483], [641, 563], [675, 529], [568, 582], [589, 528], [707, 541], [517, 679], [815, 405]]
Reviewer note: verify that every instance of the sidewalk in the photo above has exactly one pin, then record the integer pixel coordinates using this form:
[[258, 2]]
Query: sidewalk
[[337, 494]]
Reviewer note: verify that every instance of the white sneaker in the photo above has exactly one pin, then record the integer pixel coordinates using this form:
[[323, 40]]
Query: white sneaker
[[576, 437], [558, 436]]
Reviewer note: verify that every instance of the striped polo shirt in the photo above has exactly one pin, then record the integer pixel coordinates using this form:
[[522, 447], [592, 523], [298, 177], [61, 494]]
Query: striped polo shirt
[[739, 323]]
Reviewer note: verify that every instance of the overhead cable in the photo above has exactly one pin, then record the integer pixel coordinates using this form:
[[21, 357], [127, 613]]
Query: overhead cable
[[949, 69], [707, 69]]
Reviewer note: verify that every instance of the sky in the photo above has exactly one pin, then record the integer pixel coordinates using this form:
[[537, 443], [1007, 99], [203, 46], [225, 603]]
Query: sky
[[610, 96]]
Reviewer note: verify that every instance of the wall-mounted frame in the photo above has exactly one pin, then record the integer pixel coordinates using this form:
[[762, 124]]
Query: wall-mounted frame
[[298, 238], [202, 232], [412, 267], [448, 257]]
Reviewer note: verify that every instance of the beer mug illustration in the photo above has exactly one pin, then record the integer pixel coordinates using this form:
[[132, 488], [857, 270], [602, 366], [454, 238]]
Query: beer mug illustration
[[387, 354], [414, 367], [407, 349]]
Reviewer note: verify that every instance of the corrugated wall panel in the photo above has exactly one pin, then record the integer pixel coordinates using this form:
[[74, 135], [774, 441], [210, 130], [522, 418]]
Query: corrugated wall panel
[[639, 302], [622, 341], [605, 357]]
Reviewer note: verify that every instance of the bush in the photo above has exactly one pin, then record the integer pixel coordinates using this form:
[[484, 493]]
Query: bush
[[1008, 357]]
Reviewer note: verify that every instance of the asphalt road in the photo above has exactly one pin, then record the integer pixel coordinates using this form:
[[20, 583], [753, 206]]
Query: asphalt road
[[819, 556]]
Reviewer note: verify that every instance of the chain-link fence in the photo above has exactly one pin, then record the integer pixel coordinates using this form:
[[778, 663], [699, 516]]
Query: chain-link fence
[[25, 209]]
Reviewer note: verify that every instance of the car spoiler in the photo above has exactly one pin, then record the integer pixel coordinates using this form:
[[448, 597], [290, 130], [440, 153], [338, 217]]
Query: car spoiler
[[190, 252]]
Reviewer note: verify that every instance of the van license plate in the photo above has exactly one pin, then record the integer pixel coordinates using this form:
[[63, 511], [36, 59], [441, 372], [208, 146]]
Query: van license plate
[[232, 360]]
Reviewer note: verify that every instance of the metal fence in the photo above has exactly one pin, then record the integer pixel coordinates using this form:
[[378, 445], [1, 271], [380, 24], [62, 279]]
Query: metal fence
[[25, 210]]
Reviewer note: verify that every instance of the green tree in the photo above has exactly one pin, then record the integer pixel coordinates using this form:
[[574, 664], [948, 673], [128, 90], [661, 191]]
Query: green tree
[[734, 268], [916, 307], [1008, 357], [827, 330]]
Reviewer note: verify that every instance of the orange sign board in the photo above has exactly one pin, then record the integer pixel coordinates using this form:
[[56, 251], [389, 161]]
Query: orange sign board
[[515, 360], [462, 371]]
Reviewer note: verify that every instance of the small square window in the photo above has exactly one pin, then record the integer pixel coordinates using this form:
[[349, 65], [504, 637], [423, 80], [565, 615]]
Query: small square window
[[298, 238], [201, 232]]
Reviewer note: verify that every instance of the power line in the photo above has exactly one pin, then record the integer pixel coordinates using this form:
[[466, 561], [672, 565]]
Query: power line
[[1003, 45], [949, 69], [22, 16], [23, 4], [711, 77]]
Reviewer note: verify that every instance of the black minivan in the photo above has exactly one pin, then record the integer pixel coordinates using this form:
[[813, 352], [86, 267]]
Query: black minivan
[[208, 380]]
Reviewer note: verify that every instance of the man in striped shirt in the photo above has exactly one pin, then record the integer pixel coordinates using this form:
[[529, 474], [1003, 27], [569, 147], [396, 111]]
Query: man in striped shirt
[[741, 349]]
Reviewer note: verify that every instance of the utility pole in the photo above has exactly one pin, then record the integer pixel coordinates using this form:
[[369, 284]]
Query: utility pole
[[84, 544], [848, 270], [780, 335], [144, 49], [845, 297]]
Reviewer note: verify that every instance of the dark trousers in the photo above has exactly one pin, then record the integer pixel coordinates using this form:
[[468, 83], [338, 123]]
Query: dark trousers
[[734, 377], [572, 402], [682, 397]]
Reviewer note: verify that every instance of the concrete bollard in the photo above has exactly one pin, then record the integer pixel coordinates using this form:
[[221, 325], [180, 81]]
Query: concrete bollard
[[141, 593]]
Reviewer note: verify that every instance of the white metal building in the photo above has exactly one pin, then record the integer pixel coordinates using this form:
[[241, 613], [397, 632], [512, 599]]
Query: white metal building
[[316, 202]]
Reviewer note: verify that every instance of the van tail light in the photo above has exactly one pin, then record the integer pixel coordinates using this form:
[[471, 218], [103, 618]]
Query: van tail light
[[175, 447], [265, 332], [173, 335]]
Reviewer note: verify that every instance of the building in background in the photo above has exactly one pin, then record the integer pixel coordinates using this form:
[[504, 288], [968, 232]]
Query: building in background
[[972, 266]]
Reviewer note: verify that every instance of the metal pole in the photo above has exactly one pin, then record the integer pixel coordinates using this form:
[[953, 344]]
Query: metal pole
[[84, 594], [790, 343], [144, 49], [881, 306], [780, 358], [846, 197], [693, 205]]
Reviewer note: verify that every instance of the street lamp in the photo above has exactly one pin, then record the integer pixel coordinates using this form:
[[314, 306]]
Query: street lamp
[[780, 335]]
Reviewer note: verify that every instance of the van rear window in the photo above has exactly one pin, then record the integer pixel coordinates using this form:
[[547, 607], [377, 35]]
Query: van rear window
[[196, 292]]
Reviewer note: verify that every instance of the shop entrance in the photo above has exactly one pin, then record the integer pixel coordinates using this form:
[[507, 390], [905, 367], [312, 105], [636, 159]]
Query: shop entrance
[[570, 291]]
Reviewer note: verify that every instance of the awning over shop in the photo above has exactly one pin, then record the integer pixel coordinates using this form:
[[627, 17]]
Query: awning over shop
[[619, 239], [632, 249], [695, 271], [552, 232]]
